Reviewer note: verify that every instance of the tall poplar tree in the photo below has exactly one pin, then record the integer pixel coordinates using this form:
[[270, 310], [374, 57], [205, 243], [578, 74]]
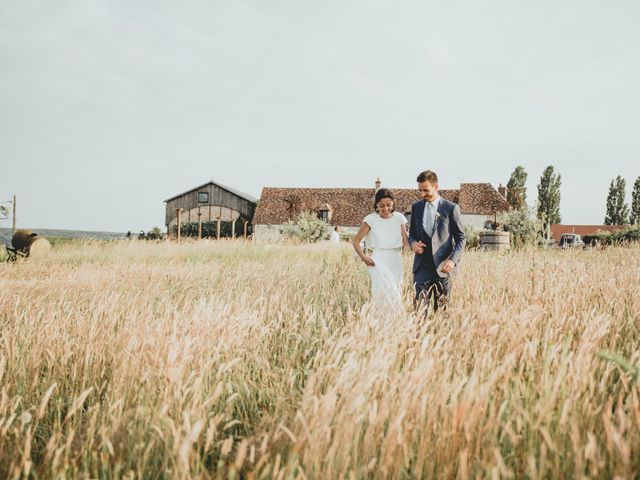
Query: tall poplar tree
[[549, 197], [516, 190], [635, 203], [617, 209]]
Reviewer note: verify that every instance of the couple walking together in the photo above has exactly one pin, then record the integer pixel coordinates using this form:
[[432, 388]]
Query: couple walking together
[[435, 236]]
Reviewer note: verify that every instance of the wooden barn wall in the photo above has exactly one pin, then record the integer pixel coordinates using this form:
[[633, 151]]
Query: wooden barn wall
[[217, 197]]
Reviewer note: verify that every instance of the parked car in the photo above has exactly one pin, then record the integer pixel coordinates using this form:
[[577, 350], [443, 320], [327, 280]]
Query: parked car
[[571, 240]]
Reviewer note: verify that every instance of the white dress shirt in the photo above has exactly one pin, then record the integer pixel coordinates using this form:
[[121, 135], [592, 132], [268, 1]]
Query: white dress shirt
[[436, 204]]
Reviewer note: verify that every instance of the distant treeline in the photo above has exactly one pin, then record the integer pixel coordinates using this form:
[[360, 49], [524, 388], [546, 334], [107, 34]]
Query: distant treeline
[[5, 234]]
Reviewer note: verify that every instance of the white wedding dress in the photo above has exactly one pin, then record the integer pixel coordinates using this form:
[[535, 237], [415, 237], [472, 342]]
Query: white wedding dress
[[385, 238]]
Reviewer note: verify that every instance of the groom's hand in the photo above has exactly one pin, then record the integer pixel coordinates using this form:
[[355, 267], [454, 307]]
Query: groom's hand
[[418, 247], [448, 266]]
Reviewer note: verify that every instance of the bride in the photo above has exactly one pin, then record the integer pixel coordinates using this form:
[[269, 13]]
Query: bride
[[384, 232]]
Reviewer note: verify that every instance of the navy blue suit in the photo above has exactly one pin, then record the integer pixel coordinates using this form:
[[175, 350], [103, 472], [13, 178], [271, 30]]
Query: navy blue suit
[[446, 243]]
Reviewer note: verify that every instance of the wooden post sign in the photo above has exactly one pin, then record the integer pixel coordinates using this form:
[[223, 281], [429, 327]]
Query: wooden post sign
[[13, 229], [178, 210]]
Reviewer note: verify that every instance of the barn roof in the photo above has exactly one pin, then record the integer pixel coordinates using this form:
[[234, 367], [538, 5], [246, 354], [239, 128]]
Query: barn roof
[[350, 205], [238, 193]]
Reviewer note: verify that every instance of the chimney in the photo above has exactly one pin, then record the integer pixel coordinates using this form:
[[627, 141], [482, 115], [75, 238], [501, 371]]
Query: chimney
[[502, 191], [378, 183]]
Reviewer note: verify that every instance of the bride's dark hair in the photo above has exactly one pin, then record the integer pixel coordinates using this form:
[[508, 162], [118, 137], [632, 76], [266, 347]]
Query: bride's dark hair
[[381, 194]]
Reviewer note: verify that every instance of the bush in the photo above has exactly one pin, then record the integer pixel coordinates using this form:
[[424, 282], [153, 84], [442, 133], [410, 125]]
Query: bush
[[309, 229], [524, 226], [473, 237], [602, 238], [627, 235], [154, 234]]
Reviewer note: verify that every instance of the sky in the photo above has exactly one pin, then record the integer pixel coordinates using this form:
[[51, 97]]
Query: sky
[[108, 108]]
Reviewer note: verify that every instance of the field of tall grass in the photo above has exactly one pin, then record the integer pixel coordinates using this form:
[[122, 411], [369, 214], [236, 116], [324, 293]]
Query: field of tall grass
[[229, 360]]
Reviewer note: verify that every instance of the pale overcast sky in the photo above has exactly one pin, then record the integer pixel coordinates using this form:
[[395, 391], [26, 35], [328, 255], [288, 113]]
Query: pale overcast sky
[[107, 108]]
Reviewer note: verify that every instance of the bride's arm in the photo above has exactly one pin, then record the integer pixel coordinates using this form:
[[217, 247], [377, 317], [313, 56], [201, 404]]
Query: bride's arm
[[405, 236], [364, 230]]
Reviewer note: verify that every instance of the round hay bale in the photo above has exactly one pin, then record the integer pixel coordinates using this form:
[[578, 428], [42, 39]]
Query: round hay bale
[[22, 240], [31, 244], [39, 248]]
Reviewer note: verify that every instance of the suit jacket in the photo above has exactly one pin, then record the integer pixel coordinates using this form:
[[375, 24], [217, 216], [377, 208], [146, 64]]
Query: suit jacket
[[448, 237]]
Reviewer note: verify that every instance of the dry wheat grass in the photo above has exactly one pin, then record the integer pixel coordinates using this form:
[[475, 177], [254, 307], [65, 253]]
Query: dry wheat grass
[[216, 360]]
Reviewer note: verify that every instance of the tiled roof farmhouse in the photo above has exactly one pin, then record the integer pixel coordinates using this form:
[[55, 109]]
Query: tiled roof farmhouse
[[348, 206]]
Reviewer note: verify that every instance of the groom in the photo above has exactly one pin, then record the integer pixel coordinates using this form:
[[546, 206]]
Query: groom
[[437, 238]]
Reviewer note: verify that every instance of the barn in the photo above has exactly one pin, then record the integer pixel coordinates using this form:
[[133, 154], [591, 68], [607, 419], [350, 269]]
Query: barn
[[346, 207], [211, 202]]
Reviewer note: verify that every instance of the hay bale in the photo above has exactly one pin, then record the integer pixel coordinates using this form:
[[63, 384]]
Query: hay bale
[[39, 248], [22, 239], [31, 244]]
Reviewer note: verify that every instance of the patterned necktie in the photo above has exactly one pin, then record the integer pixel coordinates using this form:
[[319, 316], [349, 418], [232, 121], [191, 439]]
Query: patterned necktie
[[428, 227]]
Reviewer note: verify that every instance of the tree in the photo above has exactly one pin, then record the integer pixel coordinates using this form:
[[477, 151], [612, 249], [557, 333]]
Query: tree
[[635, 203], [549, 197], [524, 226], [309, 228], [617, 209], [516, 190]]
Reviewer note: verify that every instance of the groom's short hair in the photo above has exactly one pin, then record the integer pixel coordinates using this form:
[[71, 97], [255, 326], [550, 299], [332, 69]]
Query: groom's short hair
[[427, 176]]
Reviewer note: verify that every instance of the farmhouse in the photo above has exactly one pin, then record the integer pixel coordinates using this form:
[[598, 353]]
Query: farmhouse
[[211, 202], [346, 207]]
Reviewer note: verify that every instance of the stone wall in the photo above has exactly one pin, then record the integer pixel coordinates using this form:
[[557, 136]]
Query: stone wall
[[475, 221], [266, 233]]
